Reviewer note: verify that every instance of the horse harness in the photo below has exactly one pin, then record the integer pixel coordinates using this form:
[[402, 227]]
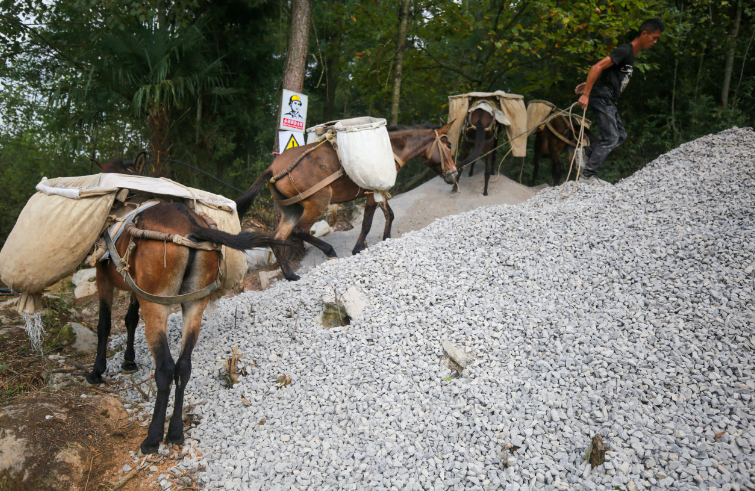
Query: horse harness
[[330, 137], [122, 265]]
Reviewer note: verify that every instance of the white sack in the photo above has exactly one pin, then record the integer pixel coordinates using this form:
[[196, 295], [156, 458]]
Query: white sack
[[320, 228], [366, 152]]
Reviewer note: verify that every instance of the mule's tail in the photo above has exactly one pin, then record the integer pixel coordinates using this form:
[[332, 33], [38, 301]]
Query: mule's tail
[[479, 141], [242, 241], [244, 202]]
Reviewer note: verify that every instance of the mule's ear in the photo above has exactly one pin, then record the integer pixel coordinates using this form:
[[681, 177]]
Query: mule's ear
[[140, 162], [98, 164], [445, 128]]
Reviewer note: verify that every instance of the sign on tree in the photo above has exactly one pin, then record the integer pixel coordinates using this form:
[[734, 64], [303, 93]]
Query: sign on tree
[[293, 111]]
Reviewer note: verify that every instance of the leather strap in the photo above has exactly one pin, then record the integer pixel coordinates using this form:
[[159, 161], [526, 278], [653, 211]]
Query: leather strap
[[162, 300], [309, 192], [559, 135], [398, 160]]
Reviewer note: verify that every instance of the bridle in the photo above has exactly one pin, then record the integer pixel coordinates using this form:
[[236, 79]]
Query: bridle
[[444, 157]]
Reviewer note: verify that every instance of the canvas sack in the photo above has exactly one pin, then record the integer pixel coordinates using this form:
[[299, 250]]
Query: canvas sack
[[52, 236], [366, 152]]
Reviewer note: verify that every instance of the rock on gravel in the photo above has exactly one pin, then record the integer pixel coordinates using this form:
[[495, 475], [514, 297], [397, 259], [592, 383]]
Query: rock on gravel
[[624, 311]]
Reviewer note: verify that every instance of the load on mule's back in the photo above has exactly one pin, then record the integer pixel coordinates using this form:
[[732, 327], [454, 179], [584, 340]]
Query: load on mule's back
[[179, 248], [555, 130], [479, 120], [305, 180]]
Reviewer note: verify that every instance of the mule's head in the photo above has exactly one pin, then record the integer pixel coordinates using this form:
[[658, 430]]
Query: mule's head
[[481, 120], [438, 155], [119, 166]]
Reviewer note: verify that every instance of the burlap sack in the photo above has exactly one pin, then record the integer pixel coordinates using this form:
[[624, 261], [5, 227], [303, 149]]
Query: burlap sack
[[52, 236]]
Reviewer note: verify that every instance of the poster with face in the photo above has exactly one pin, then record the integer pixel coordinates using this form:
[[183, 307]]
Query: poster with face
[[293, 111]]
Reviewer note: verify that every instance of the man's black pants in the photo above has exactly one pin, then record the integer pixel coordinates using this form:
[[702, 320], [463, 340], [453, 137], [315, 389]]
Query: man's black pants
[[612, 134]]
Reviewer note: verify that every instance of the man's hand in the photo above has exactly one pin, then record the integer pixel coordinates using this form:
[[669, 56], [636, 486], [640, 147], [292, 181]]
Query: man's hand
[[583, 100], [580, 89]]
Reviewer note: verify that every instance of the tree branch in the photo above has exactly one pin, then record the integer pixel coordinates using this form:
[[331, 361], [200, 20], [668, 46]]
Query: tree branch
[[48, 43], [450, 68]]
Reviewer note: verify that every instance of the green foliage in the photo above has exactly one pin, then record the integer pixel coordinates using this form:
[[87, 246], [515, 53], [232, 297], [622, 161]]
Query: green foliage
[[81, 78]]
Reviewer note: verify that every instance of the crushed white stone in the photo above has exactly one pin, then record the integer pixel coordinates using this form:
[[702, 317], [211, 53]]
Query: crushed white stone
[[626, 311]]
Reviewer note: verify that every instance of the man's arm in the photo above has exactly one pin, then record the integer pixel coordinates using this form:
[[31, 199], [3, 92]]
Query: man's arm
[[595, 71]]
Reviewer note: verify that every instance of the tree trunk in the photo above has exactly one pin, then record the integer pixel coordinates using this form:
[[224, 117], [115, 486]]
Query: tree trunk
[[702, 54], [94, 146], [158, 122], [293, 79], [298, 45], [199, 119], [730, 57], [332, 71], [399, 65], [298, 48]]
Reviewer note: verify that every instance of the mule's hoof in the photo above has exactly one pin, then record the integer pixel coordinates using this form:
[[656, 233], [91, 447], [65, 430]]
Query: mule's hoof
[[129, 367], [175, 439], [293, 277], [146, 448], [91, 379]]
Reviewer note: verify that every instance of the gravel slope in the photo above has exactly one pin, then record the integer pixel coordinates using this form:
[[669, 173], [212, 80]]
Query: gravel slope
[[625, 311]]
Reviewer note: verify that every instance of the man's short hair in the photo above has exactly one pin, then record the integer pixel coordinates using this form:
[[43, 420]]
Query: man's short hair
[[652, 25]]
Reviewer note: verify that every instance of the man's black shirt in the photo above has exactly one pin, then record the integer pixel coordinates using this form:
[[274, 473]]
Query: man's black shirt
[[614, 79]]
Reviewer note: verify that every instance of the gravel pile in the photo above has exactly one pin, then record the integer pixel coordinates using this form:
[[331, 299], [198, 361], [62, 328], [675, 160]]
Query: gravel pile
[[625, 311]]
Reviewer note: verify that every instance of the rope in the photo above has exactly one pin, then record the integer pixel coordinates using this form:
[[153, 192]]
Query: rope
[[501, 163], [577, 150], [551, 117], [291, 167]]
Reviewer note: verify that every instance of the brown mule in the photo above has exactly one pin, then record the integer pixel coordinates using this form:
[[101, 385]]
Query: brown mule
[[164, 269], [481, 122], [551, 141], [297, 218]]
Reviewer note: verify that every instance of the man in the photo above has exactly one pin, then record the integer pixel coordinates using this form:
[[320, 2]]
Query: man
[[605, 82], [295, 104]]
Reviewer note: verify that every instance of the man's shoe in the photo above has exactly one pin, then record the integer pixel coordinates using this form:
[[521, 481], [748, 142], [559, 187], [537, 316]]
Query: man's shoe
[[594, 181]]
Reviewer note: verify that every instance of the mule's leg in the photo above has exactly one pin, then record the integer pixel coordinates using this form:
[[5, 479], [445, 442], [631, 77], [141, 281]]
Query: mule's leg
[[320, 244], [465, 149], [537, 152], [471, 168], [388, 212], [290, 216], [192, 322], [314, 207], [155, 322], [489, 163], [554, 148], [369, 213], [132, 320], [105, 292]]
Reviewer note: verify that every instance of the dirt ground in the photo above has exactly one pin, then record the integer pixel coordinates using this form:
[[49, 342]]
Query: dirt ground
[[56, 430]]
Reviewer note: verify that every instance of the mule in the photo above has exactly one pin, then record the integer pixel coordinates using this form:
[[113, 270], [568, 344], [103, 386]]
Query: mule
[[549, 144], [296, 219], [481, 122], [163, 269]]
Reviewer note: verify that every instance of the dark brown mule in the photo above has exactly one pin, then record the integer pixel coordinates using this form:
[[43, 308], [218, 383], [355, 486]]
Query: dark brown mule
[[296, 219], [551, 142], [164, 269], [481, 123]]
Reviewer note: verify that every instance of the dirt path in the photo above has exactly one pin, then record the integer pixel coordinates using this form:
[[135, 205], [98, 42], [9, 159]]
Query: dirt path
[[420, 207]]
